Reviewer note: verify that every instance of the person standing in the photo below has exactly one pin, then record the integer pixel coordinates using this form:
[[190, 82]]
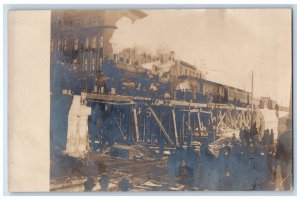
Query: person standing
[[104, 182], [284, 152], [89, 184]]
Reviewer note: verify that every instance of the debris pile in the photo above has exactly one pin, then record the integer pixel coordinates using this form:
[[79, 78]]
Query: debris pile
[[145, 153], [224, 140], [104, 151], [177, 187], [134, 152]]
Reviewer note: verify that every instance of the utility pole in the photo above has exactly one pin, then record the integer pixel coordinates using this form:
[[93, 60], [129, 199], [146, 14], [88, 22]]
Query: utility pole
[[291, 103], [252, 98]]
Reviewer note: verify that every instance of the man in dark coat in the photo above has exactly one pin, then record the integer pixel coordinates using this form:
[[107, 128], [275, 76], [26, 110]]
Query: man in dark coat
[[284, 151]]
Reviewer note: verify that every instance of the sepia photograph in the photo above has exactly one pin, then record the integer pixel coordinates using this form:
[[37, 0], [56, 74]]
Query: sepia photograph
[[171, 100]]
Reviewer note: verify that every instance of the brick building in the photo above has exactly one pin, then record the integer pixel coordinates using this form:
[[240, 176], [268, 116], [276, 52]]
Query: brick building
[[80, 43]]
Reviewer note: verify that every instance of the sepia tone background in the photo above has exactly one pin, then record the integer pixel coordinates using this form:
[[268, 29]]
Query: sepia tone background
[[29, 92], [227, 44], [29, 101]]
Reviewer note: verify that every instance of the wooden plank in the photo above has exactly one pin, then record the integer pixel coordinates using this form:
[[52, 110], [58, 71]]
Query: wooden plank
[[136, 129], [221, 119], [195, 111], [175, 127], [182, 130], [232, 121], [161, 126], [132, 99], [199, 122], [120, 129], [113, 98], [107, 97]]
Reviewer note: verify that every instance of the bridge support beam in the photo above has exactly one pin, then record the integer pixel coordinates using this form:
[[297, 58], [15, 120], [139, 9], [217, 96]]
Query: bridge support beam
[[135, 122], [175, 127]]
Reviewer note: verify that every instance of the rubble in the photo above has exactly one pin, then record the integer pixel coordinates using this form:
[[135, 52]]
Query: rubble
[[123, 151], [104, 151], [225, 139], [150, 183], [177, 187], [145, 153], [65, 182]]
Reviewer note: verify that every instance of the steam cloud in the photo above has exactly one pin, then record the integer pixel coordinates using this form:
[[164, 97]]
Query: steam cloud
[[231, 42]]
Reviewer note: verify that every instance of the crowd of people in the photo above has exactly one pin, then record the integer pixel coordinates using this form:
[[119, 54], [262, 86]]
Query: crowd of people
[[245, 164]]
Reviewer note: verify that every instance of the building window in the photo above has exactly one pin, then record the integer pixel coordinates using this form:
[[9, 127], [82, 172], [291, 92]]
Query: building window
[[65, 44], [93, 63], [85, 64], [101, 41], [101, 52], [76, 44], [94, 43], [59, 45], [86, 43], [52, 45], [100, 62]]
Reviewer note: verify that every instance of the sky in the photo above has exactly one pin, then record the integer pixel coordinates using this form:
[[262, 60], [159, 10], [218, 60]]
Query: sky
[[227, 44]]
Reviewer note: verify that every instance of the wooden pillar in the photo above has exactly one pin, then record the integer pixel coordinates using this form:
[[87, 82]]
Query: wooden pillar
[[218, 120], [194, 127], [175, 127], [136, 129], [189, 119], [151, 129], [128, 125], [160, 118], [199, 121], [182, 130], [144, 117], [169, 123], [194, 122]]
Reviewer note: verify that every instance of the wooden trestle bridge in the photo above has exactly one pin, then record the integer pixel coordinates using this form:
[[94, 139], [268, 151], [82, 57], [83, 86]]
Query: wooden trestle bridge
[[175, 122]]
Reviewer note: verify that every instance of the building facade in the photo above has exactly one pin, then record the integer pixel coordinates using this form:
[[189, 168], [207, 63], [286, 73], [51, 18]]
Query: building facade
[[79, 45]]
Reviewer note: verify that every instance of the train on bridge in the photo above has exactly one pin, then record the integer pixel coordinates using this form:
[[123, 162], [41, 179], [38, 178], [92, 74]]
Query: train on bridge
[[119, 78], [129, 97]]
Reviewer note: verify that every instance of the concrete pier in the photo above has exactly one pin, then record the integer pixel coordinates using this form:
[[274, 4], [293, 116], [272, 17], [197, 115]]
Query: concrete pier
[[77, 137]]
